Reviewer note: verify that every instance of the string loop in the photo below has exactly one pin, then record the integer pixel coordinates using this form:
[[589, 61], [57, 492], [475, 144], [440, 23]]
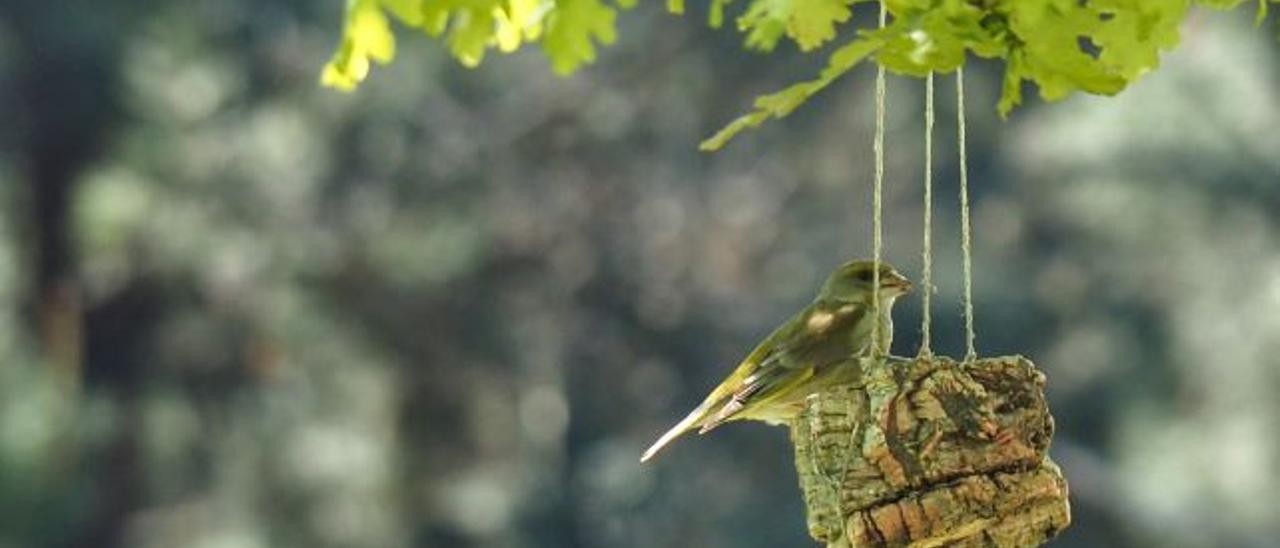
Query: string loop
[[876, 203], [926, 281], [966, 238], [877, 244]]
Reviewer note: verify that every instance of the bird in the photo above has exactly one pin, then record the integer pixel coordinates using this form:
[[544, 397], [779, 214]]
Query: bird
[[807, 353]]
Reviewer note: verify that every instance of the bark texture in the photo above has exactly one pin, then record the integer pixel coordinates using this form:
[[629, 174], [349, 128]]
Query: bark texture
[[931, 452]]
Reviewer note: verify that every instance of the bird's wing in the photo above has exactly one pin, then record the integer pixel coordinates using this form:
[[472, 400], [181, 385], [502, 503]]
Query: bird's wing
[[715, 402], [787, 357], [819, 335]]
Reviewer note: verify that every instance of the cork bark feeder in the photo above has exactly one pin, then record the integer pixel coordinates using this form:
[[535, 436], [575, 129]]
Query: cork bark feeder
[[930, 452]]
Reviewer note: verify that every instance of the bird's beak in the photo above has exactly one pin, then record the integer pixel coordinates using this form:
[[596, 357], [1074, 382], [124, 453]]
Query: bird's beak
[[898, 284]]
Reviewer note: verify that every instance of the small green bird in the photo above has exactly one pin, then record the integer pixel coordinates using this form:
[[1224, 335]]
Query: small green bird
[[801, 356]]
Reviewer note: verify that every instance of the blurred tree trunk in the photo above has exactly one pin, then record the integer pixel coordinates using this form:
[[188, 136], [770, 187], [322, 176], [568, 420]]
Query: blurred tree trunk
[[56, 291], [930, 452], [67, 108]]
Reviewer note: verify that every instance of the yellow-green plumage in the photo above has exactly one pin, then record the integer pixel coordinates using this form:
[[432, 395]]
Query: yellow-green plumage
[[803, 355]]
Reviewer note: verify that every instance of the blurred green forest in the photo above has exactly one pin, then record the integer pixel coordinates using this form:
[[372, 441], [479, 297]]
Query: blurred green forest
[[238, 310]]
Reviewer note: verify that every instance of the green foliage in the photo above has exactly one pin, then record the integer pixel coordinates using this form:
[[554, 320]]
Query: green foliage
[[777, 105], [567, 30], [570, 28], [1063, 46]]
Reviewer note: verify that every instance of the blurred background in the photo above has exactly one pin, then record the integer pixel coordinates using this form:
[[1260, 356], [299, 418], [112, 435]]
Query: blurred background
[[241, 311]]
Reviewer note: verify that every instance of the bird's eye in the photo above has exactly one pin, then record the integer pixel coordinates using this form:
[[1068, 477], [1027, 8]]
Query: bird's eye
[[866, 275]]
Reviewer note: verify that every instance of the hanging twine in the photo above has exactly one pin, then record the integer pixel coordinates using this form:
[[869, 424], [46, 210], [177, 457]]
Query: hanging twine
[[877, 245], [927, 253], [966, 241], [876, 238]]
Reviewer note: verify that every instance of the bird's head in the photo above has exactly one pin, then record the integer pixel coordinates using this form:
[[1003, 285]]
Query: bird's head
[[854, 281]]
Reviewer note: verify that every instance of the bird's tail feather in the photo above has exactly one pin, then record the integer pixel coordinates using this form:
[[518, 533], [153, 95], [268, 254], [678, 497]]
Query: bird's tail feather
[[729, 410], [685, 425]]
